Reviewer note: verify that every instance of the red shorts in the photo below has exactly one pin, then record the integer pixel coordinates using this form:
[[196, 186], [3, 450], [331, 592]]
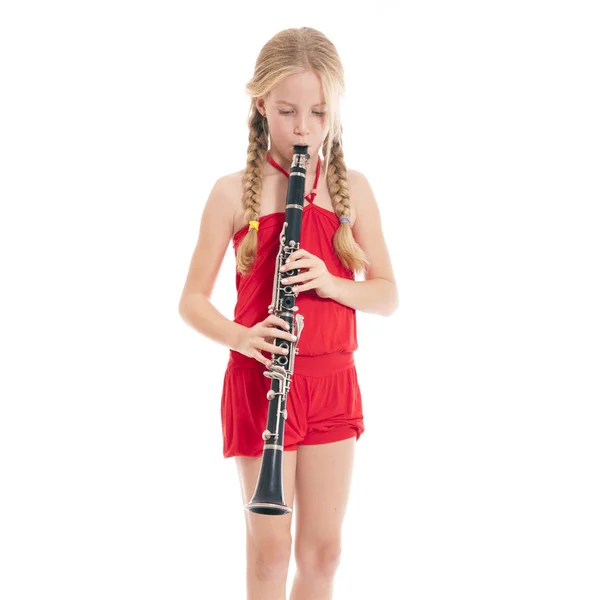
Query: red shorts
[[324, 403]]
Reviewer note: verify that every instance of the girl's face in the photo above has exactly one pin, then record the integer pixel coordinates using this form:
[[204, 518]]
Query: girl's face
[[297, 114]]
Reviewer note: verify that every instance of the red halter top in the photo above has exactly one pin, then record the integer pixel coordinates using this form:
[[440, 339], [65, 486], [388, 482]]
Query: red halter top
[[328, 325]]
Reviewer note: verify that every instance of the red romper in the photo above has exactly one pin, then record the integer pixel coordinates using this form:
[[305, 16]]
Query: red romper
[[324, 402]]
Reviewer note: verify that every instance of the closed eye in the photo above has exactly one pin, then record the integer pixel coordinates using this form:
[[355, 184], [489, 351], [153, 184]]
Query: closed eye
[[289, 112]]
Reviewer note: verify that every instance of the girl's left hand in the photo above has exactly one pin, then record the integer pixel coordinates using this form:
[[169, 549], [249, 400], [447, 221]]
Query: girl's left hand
[[314, 274]]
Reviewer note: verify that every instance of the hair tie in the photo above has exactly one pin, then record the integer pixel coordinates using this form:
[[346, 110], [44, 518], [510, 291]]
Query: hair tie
[[253, 224], [345, 220]]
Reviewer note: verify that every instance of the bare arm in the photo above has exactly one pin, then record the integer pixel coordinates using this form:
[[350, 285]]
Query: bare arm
[[378, 293], [200, 314], [195, 307], [378, 296]]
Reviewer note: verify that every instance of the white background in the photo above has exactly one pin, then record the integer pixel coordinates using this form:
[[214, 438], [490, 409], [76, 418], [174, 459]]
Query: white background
[[477, 125]]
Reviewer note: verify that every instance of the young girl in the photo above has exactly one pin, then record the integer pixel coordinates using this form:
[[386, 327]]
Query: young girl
[[295, 92]]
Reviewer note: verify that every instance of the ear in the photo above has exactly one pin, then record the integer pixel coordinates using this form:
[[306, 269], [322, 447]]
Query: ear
[[260, 106]]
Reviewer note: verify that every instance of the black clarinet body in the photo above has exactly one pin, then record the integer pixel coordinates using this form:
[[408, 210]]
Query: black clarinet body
[[268, 496]]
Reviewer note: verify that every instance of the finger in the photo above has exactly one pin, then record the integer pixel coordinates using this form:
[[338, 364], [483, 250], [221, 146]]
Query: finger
[[304, 263], [292, 280], [303, 288], [273, 349], [275, 320], [262, 359], [299, 254], [284, 335], [302, 278]]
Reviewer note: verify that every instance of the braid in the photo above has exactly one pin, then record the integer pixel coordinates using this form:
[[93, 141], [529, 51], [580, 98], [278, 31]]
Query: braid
[[258, 144], [351, 255]]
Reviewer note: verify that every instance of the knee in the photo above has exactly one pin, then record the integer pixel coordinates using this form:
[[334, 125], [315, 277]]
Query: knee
[[318, 559], [269, 557]]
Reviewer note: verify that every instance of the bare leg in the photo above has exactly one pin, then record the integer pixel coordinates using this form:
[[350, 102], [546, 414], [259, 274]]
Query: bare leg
[[268, 537], [323, 478]]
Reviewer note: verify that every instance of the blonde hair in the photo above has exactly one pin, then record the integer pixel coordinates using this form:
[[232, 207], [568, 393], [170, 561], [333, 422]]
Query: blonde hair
[[289, 52]]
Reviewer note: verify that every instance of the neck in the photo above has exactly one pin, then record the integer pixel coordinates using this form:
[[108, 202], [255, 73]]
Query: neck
[[286, 164]]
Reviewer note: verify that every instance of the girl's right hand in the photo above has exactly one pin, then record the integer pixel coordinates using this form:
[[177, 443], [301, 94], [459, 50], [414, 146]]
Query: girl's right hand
[[261, 337]]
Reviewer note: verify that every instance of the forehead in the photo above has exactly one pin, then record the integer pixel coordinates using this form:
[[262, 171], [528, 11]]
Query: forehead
[[299, 89]]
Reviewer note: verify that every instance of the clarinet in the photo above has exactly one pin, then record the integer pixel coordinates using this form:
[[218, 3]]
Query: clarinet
[[268, 495]]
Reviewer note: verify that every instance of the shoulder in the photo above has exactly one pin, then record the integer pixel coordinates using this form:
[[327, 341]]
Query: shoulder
[[231, 182], [230, 187], [356, 177], [368, 228], [357, 181], [353, 176], [361, 193], [223, 200]]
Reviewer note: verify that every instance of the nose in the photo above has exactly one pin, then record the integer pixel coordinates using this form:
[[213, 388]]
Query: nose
[[301, 128]]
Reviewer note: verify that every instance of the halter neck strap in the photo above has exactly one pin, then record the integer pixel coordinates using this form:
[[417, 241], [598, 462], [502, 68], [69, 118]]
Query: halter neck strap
[[311, 195]]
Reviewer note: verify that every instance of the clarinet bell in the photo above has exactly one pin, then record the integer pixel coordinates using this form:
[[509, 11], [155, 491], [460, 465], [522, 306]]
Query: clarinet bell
[[268, 496]]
